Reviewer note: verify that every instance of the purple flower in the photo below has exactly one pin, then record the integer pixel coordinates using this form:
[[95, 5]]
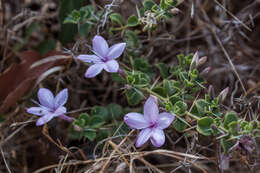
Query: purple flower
[[152, 123], [103, 58], [50, 106]]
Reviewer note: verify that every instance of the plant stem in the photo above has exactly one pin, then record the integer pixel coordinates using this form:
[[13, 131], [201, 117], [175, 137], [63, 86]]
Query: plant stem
[[193, 116], [119, 29], [155, 94], [222, 128]]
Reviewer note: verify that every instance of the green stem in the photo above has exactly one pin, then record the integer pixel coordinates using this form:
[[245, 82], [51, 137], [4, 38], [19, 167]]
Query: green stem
[[193, 116], [222, 128], [155, 94], [119, 29]]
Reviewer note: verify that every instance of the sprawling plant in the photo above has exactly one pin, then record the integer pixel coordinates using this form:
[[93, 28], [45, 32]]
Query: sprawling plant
[[179, 90]]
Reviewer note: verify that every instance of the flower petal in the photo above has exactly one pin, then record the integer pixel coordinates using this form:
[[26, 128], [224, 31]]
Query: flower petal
[[94, 70], [100, 45], [111, 66], [46, 97], [143, 136], [44, 119], [116, 50], [67, 118], [136, 121], [164, 120], [89, 58], [151, 110], [37, 111], [157, 137], [61, 98], [61, 110]]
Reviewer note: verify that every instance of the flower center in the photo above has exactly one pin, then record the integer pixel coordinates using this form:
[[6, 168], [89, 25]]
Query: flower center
[[153, 125], [105, 59]]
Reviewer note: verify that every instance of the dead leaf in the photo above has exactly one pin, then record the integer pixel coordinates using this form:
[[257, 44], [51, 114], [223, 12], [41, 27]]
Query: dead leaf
[[19, 78]]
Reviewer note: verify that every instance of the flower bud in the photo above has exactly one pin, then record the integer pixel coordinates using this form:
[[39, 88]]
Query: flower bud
[[223, 94], [77, 128], [211, 91], [122, 73], [205, 71], [213, 127], [202, 61], [128, 87], [194, 61], [175, 11]]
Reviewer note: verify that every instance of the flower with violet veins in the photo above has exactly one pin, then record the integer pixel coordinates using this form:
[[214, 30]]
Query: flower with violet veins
[[152, 123], [50, 106], [103, 57]]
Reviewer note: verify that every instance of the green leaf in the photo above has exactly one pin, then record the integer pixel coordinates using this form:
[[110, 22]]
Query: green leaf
[[85, 29], [116, 18], [118, 78], [160, 91], [133, 97], [74, 17], [167, 4], [163, 4], [131, 39], [201, 106], [170, 86], [148, 4], [114, 111], [243, 124], [84, 119], [168, 106], [68, 31], [204, 126], [229, 117], [163, 70], [74, 134], [138, 79], [179, 125], [180, 108], [141, 64], [96, 121], [226, 144], [156, 9], [90, 134], [132, 21], [100, 111], [174, 99], [232, 127]]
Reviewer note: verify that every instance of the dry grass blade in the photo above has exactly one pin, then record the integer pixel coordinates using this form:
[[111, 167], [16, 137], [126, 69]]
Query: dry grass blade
[[47, 73], [7, 167], [107, 162], [13, 134], [244, 25], [229, 60], [119, 152], [50, 59]]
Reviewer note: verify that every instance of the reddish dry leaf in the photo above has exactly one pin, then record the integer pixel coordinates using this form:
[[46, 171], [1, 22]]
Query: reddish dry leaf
[[19, 78]]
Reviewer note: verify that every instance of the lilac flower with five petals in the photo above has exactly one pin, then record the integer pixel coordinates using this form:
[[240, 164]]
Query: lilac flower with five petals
[[152, 123], [50, 106], [103, 58]]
